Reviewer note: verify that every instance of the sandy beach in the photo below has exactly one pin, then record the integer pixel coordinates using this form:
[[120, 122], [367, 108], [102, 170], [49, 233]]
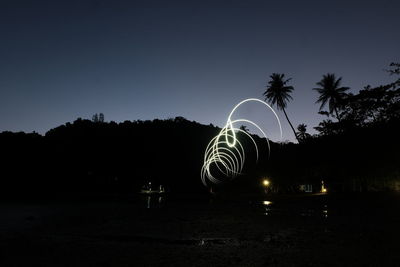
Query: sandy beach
[[300, 230]]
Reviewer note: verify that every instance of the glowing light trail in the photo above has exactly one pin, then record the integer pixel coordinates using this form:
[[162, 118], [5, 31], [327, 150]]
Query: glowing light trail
[[226, 153]]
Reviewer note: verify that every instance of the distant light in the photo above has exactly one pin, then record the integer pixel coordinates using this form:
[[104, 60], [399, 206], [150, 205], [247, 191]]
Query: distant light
[[323, 188], [266, 182], [267, 203]]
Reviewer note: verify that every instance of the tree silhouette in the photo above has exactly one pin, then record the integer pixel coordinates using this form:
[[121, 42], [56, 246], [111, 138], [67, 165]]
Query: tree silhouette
[[302, 132], [278, 92], [98, 118], [395, 68], [330, 92], [101, 117], [95, 118], [244, 128]]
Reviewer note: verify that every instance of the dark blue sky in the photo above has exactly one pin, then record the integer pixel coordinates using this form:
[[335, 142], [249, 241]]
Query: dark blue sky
[[60, 60]]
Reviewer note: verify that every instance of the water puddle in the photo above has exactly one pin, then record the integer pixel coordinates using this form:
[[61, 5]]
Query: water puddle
[[267, 207], [275, 208], [165, 241], [153, 201], [218, 241]]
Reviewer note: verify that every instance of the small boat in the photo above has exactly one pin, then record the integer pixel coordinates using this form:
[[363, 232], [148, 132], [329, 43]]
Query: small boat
[[147, 189]]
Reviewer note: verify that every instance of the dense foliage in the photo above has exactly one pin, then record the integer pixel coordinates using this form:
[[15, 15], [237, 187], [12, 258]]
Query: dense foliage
[[356, 151]]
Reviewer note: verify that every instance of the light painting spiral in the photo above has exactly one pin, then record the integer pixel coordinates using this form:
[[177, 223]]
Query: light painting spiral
[[225, 154]]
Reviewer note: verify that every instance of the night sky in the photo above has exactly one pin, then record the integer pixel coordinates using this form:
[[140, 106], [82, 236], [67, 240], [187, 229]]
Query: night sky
[[60, 60]]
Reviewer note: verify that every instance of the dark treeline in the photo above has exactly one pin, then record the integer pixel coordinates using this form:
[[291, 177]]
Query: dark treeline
[[357, 148], [357, 160], [357, 145], [87, 156], [99, 156]]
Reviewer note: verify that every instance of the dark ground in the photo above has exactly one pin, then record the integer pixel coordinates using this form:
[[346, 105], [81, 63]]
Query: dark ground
[[308, 230]]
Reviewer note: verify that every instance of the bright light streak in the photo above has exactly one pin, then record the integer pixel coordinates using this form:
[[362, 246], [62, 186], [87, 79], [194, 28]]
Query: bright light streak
[[226, 153]]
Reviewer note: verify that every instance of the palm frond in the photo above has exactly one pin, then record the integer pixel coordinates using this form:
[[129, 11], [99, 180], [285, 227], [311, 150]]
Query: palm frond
[[278, 92], [330, 92]]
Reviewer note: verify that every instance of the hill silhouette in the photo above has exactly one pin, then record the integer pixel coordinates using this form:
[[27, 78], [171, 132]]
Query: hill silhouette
[[96, 156]]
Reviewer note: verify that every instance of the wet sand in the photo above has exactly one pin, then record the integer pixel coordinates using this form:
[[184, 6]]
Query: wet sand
[[308, 230]]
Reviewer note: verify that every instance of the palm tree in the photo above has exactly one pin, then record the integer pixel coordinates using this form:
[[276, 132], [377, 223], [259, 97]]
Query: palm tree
[[302, 132], [331, 92], [278, 92]]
